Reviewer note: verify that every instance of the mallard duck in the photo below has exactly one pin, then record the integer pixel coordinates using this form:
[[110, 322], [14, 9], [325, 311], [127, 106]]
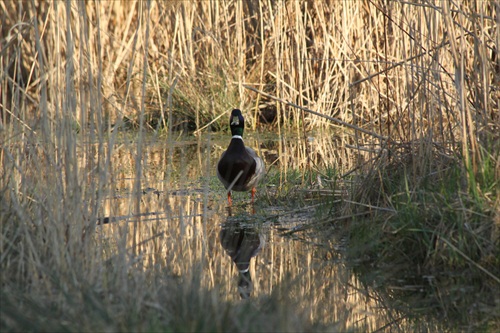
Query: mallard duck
[[239, 167]]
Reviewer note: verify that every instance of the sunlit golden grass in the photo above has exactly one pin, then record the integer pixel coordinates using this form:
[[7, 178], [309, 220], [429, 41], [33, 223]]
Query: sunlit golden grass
[[394, 107]]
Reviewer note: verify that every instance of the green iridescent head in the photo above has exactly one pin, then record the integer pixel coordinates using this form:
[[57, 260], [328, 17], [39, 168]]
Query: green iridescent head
[[237, 122]]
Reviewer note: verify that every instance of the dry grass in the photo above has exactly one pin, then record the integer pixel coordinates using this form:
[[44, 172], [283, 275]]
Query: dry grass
[[416, 83]]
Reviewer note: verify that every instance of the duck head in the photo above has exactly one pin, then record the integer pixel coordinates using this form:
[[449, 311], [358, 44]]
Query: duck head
[[237, 122]]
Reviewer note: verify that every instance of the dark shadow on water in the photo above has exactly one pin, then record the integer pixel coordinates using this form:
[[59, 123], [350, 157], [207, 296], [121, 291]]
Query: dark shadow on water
[[242, 240]]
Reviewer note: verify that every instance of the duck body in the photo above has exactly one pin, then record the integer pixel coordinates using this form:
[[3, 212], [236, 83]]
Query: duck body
[[239, 168]]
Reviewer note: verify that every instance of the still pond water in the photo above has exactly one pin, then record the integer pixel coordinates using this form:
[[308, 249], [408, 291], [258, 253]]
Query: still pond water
[[181, 221]]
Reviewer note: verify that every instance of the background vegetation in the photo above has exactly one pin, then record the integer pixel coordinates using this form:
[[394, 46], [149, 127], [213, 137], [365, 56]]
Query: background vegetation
[[408, 91]]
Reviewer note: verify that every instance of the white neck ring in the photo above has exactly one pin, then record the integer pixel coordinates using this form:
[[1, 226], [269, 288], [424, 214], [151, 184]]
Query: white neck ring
[[237, 137]]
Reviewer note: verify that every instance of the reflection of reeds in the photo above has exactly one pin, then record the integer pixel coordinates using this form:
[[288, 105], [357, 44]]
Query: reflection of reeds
[[176, 243]]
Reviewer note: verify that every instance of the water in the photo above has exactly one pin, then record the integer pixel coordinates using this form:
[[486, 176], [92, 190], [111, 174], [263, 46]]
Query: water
[[179, 221]]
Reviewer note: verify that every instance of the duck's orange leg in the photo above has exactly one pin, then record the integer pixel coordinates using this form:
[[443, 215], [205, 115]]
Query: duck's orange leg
[[229, 200], [253, 195]]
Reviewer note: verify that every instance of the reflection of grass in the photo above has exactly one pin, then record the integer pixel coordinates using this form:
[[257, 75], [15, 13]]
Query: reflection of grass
[[297, 188], [78, 281]]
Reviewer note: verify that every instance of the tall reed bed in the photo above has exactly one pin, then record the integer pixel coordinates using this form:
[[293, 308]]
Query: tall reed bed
[[400, 71], [409, 89]]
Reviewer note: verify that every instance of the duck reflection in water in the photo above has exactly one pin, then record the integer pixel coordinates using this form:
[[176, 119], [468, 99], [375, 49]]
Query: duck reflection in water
[[242, 242]]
